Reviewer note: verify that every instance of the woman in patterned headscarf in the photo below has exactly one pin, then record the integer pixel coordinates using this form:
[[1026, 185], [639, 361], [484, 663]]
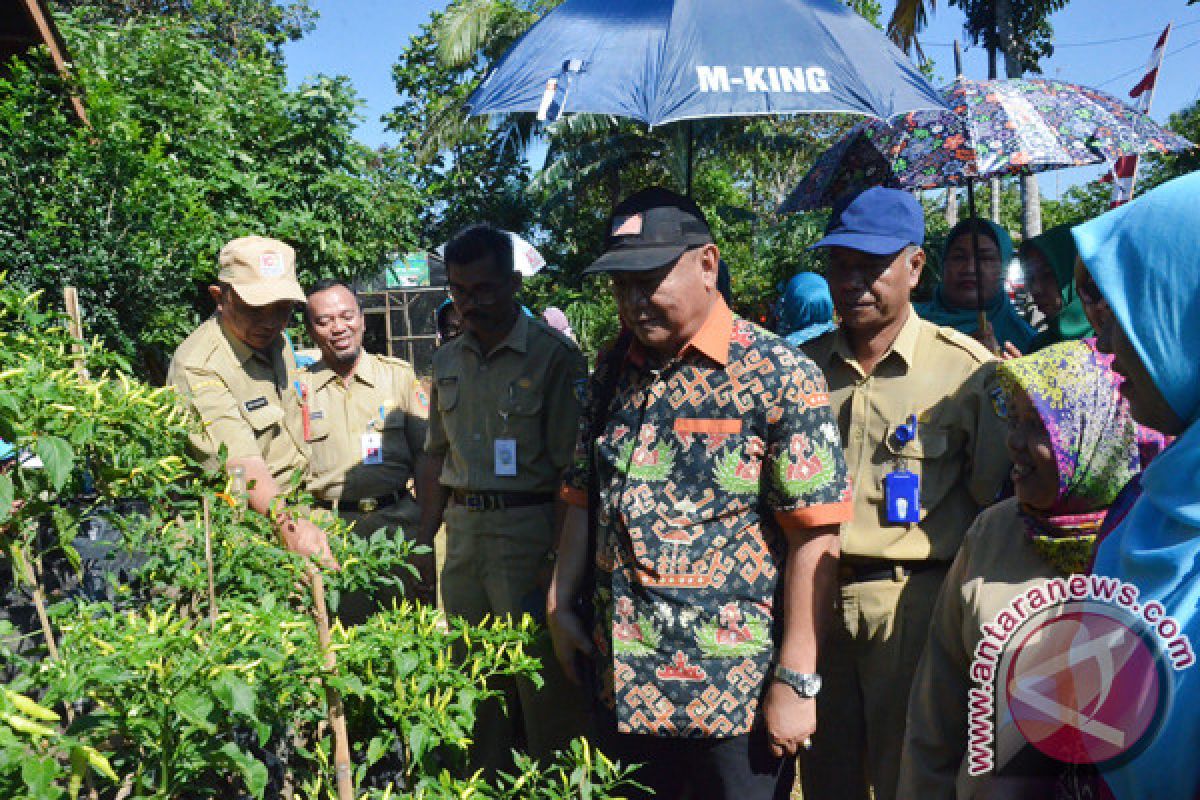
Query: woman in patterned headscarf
[[1074, 446]]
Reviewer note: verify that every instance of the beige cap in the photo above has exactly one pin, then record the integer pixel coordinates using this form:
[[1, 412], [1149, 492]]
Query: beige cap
[[261, 270]]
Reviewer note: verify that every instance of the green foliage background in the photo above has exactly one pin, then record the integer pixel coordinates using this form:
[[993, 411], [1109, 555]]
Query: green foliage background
[[186, 150]]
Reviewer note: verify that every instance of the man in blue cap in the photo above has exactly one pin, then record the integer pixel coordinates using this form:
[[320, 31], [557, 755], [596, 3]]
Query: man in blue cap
[[921, 423]]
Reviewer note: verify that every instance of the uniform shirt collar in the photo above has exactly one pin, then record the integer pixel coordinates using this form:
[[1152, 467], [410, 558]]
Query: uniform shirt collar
[[712, 340], [244, 352], [366, 372], [904, 346], [517, 338]]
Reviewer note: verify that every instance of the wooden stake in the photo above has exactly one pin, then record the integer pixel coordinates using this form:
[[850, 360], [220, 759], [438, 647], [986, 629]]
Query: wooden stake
[[75, 326], [337, 713], [39, 603], [208, 560]]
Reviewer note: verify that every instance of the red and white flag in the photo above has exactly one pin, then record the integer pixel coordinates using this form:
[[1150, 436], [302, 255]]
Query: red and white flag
[[1124, 171]]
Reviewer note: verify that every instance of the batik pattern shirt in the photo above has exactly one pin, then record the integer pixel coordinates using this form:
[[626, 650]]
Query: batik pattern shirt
[[701, 466]]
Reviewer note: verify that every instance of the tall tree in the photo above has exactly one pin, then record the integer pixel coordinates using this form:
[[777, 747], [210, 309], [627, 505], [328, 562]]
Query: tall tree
[[231, 27], [185, 152]]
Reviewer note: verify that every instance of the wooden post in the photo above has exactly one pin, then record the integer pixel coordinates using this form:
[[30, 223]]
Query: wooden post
[[387, 320], [75, 326], [410, 353], [208, 560], [337, 714]]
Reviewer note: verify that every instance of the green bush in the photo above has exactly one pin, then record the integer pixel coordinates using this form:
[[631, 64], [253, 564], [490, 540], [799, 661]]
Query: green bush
[[161, 693]]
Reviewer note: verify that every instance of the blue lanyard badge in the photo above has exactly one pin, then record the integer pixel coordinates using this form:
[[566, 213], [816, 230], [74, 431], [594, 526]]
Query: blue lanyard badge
[[901, 488]]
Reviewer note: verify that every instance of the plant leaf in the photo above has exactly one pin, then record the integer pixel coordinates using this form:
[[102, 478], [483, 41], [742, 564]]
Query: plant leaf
[[6, 497], [195, 707], [58, 459], [235, 694]]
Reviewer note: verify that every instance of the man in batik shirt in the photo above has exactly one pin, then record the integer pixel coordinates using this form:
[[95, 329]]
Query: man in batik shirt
[[719, 488]]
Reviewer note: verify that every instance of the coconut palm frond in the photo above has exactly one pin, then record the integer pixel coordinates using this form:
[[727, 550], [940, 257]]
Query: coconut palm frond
[[584, 124], [908, 19], [463, 29]]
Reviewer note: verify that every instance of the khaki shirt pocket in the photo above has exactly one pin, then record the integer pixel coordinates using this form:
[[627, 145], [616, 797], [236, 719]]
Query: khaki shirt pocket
[[926, 455], [521, 413], [262, 418], [447, 394], [323, 459]]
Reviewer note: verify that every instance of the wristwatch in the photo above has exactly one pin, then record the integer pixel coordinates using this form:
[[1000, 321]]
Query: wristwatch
[[805, 684]]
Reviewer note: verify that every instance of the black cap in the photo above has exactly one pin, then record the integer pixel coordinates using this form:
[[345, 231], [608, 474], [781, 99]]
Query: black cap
[[651, 229]]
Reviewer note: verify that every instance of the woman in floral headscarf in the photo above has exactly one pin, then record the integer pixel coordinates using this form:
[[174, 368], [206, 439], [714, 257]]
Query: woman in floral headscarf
[[1073, 445]]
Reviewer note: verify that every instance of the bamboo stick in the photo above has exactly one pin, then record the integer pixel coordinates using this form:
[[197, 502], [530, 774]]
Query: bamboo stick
[[17, 553], [337, 713], [75, 326], [208, 560]]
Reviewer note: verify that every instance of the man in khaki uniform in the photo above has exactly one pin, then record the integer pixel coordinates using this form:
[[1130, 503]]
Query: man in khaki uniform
[[366, 422], [502, 420], [237, 374], [924, 448]]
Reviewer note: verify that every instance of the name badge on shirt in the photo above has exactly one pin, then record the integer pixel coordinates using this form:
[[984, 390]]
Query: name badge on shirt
[[506, 458], [372, 447], [902, 497], [256, 403]]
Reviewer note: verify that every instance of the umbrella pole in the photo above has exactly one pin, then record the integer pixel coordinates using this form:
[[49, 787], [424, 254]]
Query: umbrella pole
[[983, 322], [688, 168]]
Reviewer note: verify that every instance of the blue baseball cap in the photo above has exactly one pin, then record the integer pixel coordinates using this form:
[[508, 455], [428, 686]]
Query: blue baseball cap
[[877, 221]]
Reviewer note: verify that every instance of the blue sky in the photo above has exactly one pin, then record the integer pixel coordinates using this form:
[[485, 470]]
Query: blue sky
[[362, 39]]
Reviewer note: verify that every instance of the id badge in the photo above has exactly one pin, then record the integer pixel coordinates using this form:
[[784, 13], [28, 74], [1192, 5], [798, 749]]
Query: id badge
[[372, 447], [902, 497], [506, 458]]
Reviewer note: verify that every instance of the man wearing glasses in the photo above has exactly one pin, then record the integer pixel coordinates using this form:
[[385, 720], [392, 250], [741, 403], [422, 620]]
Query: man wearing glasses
[[502, 421]]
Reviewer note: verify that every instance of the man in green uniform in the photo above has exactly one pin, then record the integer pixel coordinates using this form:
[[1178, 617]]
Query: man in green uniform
[[502, 420], [915, 406], [366, 422], [237, 374]]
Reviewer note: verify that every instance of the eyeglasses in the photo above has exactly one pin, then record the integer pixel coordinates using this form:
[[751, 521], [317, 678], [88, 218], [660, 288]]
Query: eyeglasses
[[480, 296]]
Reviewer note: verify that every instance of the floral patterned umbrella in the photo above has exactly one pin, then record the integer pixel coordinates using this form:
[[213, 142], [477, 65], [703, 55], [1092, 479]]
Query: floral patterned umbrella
[[995, 128]]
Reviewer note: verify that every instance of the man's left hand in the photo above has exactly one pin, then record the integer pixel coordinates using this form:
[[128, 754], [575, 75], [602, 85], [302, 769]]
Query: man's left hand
[[790, 719]]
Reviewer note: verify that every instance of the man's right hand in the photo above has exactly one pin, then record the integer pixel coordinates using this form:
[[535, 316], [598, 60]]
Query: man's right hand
[[304, 538], [569, 637], [425, 589]]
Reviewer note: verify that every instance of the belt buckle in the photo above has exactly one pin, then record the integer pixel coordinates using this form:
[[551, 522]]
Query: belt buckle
[[476, 502], [368, 504]]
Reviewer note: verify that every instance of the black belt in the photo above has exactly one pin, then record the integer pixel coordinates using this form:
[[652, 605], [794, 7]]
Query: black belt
[[498, 501], [883, 570], [365, 505]]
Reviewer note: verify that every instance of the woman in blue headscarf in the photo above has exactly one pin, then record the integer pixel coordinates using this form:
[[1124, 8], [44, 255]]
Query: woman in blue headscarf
[[805, 308], [1144, 258], [955, 302]]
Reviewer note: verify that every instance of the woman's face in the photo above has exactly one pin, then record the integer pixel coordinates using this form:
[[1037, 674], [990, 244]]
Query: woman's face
[[1146, 402], [958, 271], [1043, 286], [1095, 307], [1035, 471]]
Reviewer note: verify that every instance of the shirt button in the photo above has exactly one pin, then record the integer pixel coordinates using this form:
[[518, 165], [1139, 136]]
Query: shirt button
[[856, 434]]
